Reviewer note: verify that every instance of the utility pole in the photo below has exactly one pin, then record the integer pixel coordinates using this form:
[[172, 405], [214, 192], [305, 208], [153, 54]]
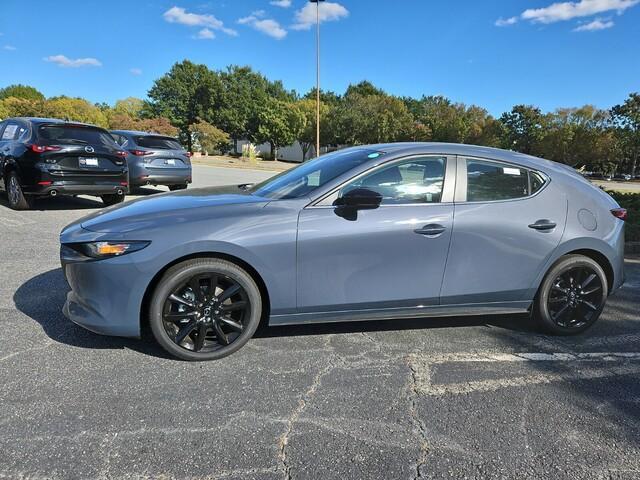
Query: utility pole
[[317, 2]]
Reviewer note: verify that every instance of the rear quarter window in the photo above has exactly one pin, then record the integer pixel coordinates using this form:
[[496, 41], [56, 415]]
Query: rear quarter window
[[491, 181]]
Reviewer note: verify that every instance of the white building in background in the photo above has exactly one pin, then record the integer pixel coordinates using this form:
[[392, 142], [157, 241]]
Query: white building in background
[[290, 153]]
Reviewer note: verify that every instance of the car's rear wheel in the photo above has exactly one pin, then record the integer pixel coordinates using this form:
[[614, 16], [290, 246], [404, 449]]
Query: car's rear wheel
[[177, 187], [572, 295], [17, 199], [205, 309], [112, 199]]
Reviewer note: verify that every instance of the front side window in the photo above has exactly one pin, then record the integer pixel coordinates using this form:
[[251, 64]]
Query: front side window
[[488, 181], [419, 180]]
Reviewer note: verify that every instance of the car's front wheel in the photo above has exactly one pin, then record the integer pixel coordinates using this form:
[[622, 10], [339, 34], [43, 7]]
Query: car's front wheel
[[572, 296], [204, 309]]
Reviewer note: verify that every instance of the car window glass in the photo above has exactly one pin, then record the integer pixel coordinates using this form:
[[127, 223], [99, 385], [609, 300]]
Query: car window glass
[[419, 180], [10, 131], [536, 180], [160, 143], [76, 135], [487, 181]]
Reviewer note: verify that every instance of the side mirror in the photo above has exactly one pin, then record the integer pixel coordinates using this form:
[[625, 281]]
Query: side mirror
[[360, 199]]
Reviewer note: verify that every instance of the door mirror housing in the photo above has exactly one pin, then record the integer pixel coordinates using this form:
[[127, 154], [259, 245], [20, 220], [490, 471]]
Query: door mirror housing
[[360, 199]]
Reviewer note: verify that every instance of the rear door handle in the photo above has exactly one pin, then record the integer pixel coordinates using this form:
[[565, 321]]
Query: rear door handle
[[431, 229], [543, 225]]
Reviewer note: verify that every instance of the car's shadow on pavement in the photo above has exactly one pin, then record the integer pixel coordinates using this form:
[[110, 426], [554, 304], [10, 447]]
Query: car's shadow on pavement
[[42, 298], [59, 203]]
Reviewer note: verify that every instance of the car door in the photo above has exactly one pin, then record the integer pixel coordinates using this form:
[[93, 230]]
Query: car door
[[4, 149], [392, 256], [508, 221]]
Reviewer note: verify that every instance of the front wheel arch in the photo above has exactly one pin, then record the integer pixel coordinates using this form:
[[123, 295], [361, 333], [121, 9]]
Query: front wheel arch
[[266, 305]]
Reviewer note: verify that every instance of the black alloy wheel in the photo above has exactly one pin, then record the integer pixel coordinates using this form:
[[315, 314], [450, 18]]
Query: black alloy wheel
[[572, 295], [205, 309]]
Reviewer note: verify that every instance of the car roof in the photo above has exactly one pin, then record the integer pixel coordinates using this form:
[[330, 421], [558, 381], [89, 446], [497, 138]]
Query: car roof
[[44, 120], [138, 133], [489, 153]]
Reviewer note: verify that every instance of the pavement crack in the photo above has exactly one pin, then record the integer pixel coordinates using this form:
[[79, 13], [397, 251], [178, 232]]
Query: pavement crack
[[295, 415], [419, 425]]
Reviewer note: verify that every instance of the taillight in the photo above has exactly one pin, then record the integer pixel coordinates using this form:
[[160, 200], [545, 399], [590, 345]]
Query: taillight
[[121, 153], [140, 153], [45, 148], [620, 213], [189, 154]]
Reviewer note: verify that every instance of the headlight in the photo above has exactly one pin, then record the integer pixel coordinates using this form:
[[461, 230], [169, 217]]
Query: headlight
[[98, 250]]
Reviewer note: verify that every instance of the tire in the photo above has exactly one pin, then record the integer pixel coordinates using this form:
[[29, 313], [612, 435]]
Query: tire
[[179, 282], [173, 188], [17, 199], [112, 199], [567, 307]]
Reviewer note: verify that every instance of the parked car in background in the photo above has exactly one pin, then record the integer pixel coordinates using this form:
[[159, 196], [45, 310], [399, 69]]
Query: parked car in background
[[625, 177], [155, 159], [44, 157], [374, 232], [601, 176]]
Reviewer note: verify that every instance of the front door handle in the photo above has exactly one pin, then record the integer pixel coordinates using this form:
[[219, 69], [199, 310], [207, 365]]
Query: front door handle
[[543, 225], [431, 229]]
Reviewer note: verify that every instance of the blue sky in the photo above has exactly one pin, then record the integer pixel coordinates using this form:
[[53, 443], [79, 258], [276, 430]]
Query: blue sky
[[494, 53]]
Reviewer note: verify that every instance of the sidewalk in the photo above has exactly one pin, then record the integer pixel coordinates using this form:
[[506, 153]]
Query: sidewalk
[[232, 162]]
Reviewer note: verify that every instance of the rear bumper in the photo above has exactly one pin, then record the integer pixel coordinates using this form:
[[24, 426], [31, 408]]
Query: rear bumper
[[140, 175], [68, 188]]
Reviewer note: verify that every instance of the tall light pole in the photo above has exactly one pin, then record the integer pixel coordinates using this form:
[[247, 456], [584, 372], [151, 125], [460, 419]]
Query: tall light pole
[[317, 2]]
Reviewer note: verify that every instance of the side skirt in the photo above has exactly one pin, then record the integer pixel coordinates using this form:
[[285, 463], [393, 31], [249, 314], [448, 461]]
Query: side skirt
[[498, 308]]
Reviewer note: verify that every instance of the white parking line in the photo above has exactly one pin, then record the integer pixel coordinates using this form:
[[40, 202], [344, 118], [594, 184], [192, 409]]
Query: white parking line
[[603, 364]]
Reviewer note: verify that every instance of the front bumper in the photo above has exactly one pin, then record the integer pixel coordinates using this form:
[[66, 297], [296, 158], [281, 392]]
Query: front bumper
[[106, 295]]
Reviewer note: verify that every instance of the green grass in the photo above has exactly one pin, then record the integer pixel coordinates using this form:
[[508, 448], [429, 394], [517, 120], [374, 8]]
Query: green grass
[[630, 201]]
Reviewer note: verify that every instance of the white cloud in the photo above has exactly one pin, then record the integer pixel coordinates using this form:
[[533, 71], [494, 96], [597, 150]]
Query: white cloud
[[135, 71], [597, 24], [281, 3], [503, 22], [181, 16], [63, 61], [305, 18], [205, 34], [11, 48], [562, 11], [267, 26]]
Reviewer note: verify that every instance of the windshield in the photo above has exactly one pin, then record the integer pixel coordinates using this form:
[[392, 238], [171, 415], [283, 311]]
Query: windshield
[[75, 134], [302, 180], [159, 143]]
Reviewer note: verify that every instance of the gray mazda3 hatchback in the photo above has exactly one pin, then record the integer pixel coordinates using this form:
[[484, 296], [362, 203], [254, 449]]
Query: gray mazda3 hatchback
[[373, 232]]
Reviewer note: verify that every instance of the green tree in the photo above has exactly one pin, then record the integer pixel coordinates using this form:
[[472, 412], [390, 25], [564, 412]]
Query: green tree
[[209, 137], [280, 123], [524, 128], [626, 118], [307, 134], [21, 107], [245, 94], [21, 91], [185, 94], [130, 106], [74, 109]]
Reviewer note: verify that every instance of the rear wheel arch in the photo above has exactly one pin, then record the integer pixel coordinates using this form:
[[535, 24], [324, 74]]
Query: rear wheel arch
[[600, 259], [264, 292]]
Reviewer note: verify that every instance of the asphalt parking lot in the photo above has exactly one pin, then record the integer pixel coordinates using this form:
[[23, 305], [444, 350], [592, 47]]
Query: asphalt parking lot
[[481, 397]]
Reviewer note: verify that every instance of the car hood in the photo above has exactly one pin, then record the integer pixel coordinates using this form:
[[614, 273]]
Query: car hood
[[174, 208]]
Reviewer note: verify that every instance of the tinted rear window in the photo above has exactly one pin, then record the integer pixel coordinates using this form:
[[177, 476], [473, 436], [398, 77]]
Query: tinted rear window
[[161, 143], [75, 134]]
